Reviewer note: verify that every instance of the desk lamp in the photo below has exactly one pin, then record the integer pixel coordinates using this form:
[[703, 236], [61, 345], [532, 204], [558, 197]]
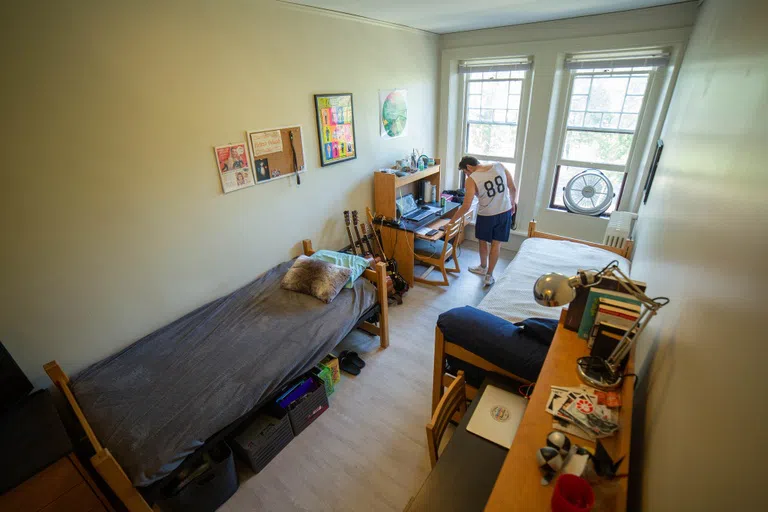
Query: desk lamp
[[555, 289]]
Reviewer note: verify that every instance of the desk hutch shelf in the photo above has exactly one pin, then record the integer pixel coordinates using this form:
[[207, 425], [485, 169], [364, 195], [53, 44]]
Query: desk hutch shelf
[[388, 187]]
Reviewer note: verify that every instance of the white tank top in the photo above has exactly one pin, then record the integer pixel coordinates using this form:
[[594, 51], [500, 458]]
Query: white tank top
[[492, 190]]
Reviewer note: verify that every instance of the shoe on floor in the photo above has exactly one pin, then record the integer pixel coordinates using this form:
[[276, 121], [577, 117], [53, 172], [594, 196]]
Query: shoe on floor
[[489, 280], [479, 270]]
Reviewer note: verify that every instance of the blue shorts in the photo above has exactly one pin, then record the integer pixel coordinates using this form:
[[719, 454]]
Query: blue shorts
[[494, 227]]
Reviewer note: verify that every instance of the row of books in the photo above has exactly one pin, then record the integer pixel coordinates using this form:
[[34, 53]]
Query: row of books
[[608, 314]]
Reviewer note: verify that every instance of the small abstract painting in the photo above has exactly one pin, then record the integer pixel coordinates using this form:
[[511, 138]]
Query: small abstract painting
[[394, 113]]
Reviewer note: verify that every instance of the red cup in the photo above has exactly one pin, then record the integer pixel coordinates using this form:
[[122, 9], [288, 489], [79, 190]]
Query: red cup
[[572, 494]]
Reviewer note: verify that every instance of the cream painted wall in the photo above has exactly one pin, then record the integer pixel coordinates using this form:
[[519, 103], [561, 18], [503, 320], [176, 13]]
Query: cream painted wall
[[702, 241], [113, 219], [548, 43]]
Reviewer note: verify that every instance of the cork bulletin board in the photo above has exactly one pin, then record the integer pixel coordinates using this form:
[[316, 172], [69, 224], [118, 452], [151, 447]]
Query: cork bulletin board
[[277, 153]]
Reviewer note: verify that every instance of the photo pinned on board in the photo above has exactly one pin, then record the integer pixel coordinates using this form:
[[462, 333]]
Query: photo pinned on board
[[261, 168]]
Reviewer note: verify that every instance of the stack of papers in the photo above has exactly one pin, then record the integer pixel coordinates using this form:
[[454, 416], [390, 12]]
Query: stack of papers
[[577, 411]]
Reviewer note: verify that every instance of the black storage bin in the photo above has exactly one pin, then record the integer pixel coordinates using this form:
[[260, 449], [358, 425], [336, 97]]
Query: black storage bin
[[305, 409], [262, 440], [199, 489]]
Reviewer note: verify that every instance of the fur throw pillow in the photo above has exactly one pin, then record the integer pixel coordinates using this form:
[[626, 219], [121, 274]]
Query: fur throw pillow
[[319, 279]]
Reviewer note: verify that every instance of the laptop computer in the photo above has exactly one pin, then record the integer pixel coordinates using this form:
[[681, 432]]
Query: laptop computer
[[409, 210], [497, 416]]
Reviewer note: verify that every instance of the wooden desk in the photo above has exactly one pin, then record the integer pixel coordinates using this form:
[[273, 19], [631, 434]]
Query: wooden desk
[[518, 486], [397, 242], [439, 223], [465, 473]]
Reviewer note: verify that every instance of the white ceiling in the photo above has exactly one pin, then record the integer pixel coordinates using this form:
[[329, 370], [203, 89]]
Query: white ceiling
[[444, 16]]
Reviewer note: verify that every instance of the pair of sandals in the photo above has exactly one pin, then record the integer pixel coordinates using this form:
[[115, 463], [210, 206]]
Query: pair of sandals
[[350, 362]]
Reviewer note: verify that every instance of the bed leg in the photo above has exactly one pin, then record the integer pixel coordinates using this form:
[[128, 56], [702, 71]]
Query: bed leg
[[439, 370], [381, 292], [106, 465], [307, 246]]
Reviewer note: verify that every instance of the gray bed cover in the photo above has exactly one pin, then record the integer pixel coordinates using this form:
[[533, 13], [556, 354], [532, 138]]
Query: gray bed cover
[[157, 401]]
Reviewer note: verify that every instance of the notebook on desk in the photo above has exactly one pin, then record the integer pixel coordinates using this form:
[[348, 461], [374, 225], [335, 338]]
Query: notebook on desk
[[497, 416]]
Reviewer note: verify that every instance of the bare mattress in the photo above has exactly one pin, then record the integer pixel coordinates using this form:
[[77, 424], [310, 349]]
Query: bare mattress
[[157, 401]]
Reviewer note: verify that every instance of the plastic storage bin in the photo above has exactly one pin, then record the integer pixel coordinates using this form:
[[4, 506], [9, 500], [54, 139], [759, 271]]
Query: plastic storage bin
[[205, 485], [263, 439], [305, 409]]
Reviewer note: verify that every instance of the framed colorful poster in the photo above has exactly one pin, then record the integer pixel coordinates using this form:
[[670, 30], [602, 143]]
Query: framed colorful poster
[[335, 128], [394, 113], [233, 166]]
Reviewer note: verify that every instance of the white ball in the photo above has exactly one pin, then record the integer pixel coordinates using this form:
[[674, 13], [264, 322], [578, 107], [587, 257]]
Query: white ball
[[549, 460], [559, 442]]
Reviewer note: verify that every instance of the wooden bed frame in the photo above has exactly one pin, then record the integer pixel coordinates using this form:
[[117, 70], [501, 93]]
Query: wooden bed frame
[[105, 463], [443, 348]]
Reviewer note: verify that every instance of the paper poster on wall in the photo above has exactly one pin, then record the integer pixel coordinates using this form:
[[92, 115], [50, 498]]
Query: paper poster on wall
[[335, 128], [393, 104], [233, 167], [264, 143]]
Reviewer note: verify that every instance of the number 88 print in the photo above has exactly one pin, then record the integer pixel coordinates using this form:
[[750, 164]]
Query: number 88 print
[[491, 190]]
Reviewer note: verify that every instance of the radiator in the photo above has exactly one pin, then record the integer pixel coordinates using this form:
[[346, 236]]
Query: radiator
[[619, 229]]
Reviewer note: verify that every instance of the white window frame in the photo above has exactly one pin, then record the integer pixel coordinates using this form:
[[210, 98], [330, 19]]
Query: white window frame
[[522, 117], [631, 168]]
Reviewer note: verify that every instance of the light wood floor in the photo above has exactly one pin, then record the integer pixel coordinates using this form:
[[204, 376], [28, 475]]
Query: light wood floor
[[368, 451]]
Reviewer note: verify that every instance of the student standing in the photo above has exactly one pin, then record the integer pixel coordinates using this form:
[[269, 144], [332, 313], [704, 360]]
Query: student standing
[[495, 190]]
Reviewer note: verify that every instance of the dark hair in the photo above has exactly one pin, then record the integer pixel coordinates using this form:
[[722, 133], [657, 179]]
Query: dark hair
[[468, 160]]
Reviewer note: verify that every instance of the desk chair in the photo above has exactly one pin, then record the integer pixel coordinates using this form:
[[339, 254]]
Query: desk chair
[[454, 399], [436, 253], [465, 220]]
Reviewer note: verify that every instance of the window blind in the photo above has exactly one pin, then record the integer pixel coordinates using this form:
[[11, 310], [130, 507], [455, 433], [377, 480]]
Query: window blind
[[612, 60], [490, 65]]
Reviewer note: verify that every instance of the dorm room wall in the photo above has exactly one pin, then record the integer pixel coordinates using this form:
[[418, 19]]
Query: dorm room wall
[[113, 219], [702, 241]]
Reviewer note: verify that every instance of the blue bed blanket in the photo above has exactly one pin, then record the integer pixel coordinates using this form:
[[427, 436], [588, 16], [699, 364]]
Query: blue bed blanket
[[157, 401]]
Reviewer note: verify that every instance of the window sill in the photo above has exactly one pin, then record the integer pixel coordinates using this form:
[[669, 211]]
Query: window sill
[[566, 212]]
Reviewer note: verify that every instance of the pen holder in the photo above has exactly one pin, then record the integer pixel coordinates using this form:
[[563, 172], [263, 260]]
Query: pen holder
[[572, 494]]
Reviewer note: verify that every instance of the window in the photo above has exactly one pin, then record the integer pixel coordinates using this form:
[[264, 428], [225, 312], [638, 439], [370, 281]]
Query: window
[[606, 103], [494, 104]]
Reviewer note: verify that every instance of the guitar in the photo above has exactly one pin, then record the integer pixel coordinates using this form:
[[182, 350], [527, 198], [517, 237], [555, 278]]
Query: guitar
[[367, 240], [357, 232], [349, 233]]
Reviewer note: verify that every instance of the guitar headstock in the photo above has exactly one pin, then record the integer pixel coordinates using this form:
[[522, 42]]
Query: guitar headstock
[[354, 217], [346, 217]]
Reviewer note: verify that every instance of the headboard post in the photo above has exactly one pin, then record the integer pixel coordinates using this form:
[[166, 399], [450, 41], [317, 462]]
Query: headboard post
[[531, 228], [307, 246], [629, 244]]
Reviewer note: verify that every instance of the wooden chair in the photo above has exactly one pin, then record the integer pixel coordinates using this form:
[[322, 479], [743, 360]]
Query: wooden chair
[[465, 220], [454, 399], [437, 253], [441, 378]]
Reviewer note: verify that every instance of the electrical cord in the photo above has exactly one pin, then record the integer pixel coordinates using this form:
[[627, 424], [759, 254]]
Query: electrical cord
[[596, 365], [528, 390]]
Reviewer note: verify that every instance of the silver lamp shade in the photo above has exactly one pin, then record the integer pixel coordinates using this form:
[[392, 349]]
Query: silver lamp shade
[[554, 289]]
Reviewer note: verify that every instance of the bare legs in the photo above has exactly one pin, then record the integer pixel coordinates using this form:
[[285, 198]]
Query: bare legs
[[494, 257], [487, 262], [483, 253]]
